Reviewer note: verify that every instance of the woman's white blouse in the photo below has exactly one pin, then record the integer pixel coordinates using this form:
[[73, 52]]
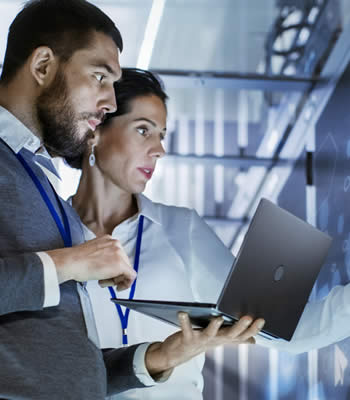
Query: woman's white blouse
[[181, 259]]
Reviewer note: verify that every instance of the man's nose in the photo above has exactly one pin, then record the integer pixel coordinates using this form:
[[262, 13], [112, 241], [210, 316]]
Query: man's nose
[[109, 103]]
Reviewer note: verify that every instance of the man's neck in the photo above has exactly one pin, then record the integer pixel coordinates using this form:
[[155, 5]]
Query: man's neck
[[21, 106]]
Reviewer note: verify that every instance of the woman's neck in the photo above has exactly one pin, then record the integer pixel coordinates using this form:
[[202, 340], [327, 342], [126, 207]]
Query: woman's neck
[[102, 205]]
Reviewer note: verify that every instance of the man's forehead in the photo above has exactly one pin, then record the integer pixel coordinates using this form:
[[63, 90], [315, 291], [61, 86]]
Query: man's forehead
[[102, 52]]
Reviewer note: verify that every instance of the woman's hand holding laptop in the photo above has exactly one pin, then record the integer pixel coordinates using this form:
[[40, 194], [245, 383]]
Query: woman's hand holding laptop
[[162, 357]]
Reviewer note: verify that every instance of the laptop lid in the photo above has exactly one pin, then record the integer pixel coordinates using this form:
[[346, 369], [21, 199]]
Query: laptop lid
[[275, 270]]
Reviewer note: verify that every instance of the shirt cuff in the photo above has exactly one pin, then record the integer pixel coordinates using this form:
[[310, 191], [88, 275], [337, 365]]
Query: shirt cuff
[[141, 371], [51, 286]]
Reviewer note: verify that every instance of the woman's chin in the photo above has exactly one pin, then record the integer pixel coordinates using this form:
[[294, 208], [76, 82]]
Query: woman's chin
[[138, 189]]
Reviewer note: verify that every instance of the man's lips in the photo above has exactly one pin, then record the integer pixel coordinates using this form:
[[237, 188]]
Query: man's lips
[[147, 172], [94, 123]]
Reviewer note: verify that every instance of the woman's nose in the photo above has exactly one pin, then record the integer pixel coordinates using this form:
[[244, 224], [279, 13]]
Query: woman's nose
[[158, 150]]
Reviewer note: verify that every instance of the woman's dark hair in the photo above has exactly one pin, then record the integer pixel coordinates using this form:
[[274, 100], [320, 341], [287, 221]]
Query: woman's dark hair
[[63, 25], [134, 83]]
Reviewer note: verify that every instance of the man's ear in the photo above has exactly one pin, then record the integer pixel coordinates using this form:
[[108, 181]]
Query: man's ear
[[43, 65]]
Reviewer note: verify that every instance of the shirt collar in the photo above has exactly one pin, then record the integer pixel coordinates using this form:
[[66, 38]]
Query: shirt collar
[[17, 136], [148, 209]]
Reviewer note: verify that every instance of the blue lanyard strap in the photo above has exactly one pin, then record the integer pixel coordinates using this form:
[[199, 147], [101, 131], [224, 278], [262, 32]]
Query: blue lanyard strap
[[65, 228], [124, 318]]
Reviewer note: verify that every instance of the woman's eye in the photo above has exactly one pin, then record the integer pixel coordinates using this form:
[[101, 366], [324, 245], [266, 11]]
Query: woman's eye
[[142, 131]]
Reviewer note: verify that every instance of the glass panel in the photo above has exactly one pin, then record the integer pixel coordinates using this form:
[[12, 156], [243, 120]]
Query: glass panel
[[223, 35], [248, 118]]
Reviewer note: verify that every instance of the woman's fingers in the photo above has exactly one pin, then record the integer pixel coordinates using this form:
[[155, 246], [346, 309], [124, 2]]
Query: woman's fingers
[[245, 328], [213, 328], [185, 325]]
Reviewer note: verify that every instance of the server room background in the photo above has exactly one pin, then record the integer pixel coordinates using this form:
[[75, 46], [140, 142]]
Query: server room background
[[259, 107]]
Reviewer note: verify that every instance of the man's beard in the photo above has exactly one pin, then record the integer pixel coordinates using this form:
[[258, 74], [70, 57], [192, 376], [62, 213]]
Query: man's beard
[[58, 122]]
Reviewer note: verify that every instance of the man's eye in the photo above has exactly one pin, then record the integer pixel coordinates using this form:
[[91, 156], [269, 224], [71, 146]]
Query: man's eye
[[99, 77]]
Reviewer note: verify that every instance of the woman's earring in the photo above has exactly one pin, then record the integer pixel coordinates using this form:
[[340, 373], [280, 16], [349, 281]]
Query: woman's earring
[[92, 158]]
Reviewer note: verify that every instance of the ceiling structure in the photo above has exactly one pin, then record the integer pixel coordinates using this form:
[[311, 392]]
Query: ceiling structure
[[238, 74]]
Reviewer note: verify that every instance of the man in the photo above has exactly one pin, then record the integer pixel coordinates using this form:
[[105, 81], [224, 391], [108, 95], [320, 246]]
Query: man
[[61, 60]]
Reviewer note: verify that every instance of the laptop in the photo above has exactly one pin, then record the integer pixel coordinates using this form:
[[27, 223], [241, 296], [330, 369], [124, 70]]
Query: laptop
[[272, 277]]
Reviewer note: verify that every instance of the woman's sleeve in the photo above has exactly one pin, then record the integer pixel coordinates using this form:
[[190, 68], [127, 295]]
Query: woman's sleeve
[[322, 323]]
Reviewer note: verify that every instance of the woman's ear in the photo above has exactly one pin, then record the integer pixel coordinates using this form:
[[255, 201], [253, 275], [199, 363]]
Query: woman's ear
[[43, 66], [93, 138]]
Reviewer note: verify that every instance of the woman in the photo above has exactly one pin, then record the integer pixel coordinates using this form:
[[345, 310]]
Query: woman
[[180, 258]]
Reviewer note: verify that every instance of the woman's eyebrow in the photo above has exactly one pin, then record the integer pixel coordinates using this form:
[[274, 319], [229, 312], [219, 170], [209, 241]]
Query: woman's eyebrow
[[147, 120]]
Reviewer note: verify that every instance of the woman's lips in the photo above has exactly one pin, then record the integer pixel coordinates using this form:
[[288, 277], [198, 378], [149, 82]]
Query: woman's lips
[[147, 172]]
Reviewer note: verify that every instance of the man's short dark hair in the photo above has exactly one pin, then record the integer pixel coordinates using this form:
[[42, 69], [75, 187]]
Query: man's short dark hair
[[63, 25], [133, 84]]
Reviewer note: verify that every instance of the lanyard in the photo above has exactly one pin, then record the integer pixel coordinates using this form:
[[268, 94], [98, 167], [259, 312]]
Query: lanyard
[[124, 318], [65, 228]]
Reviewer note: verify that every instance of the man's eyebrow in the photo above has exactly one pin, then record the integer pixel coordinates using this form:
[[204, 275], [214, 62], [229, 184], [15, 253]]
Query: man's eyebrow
[[106, 67], [147, 120]]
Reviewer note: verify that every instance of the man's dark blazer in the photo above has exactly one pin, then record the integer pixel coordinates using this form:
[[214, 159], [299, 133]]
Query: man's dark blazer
[[44, 353]]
